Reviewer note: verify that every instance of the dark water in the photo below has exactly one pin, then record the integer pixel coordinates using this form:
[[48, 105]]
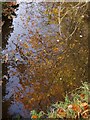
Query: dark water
[[42, 64]]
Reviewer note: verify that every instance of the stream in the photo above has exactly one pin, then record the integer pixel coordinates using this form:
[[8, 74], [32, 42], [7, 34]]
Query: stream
[[41, 66]]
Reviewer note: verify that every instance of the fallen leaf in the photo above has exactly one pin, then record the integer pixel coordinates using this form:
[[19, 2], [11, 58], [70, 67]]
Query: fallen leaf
[[76, 108], [34, 117], [56, 49], [61, 112], [84, 105]]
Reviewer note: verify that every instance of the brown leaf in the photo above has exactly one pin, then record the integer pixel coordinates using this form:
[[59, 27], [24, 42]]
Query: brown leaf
[[61, 112], [34, 117], [82, 96], [55, 49], [76, 108], [84, 105]]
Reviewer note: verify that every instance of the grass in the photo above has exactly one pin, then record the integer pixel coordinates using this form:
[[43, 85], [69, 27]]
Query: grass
[[76, 106]]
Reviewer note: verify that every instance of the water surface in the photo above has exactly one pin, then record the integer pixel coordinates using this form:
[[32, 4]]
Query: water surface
[[42, 64]]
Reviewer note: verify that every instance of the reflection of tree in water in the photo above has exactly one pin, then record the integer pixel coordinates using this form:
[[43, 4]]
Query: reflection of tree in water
[[52, 65]]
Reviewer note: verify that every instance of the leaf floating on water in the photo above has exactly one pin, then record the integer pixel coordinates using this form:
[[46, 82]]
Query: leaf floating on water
[[56, 49], [55, 10], [28, 19], [30, 32], [25, 45], [60, 58], [33, 23]]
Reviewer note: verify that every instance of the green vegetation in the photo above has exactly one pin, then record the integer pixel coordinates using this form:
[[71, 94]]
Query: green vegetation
[[75, 106]]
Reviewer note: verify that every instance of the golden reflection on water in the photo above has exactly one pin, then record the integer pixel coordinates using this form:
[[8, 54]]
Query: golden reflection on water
[[46, 64]]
